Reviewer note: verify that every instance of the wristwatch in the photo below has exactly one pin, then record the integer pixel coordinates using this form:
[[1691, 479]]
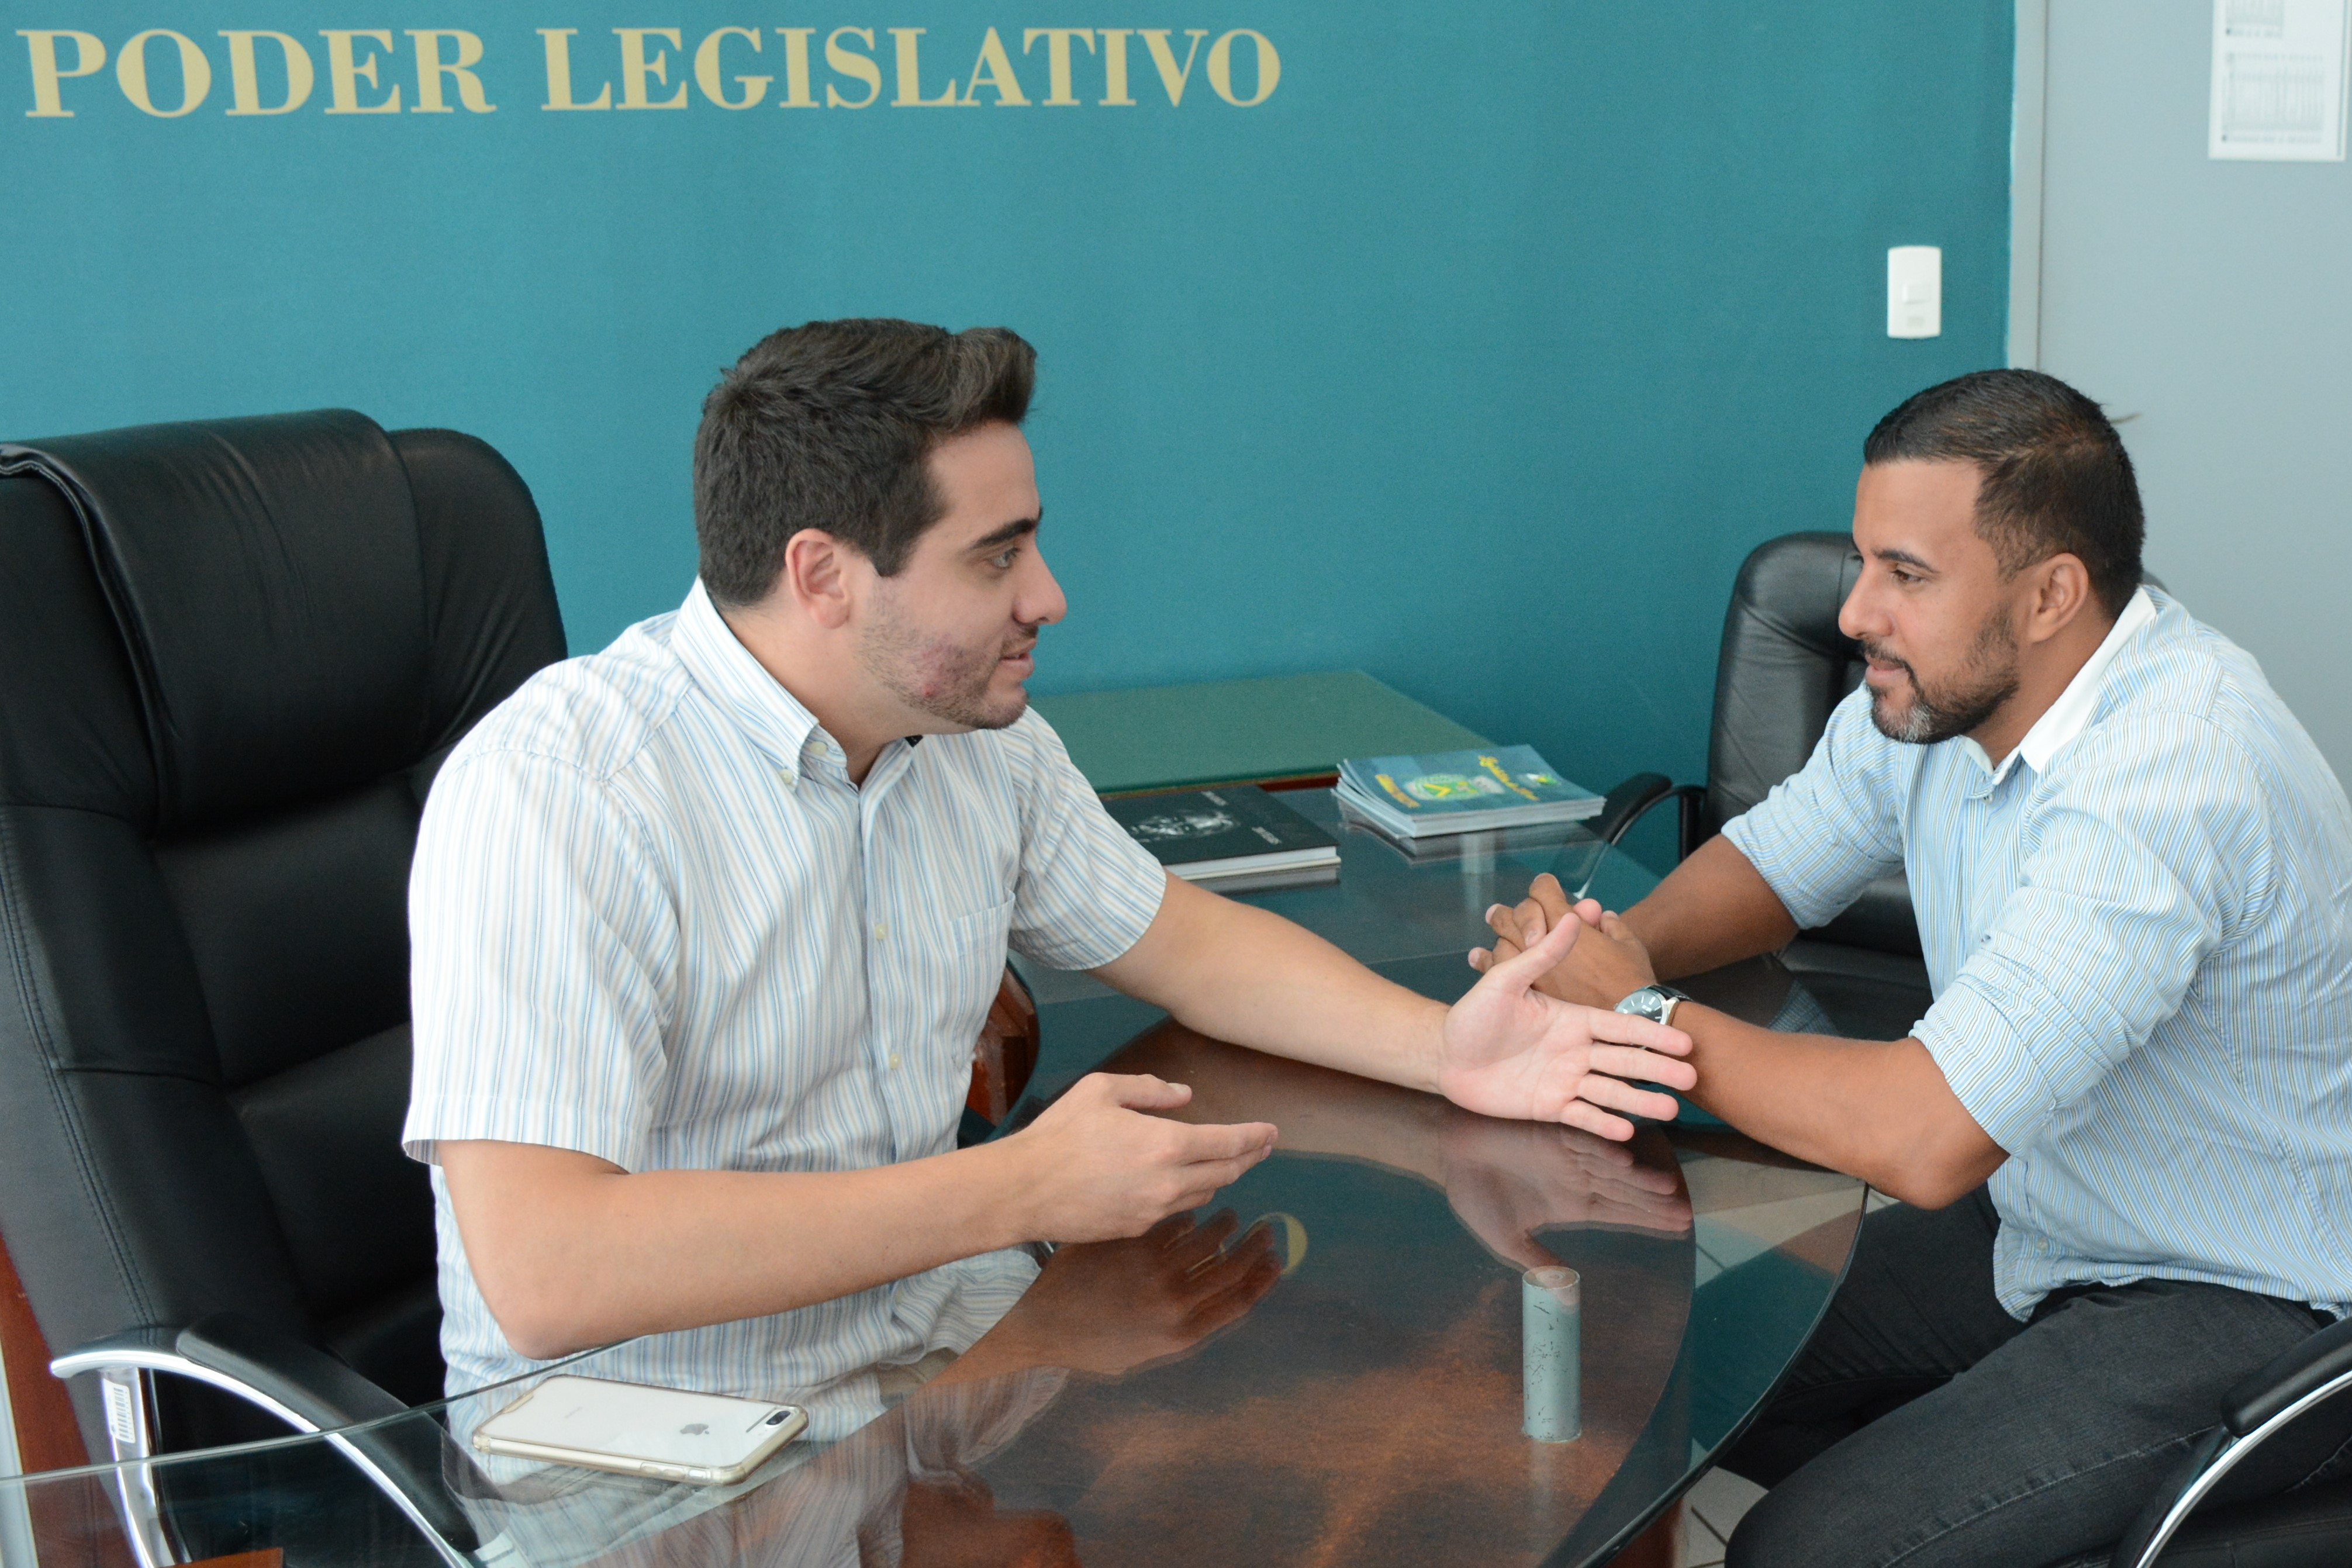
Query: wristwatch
[[1656, 1003]]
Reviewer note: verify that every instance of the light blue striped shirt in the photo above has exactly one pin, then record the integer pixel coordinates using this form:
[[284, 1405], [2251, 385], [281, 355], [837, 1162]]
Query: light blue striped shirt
[[2137, 935], [654, 921]]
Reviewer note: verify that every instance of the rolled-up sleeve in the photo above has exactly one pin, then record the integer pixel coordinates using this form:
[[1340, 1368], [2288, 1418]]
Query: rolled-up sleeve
[[1088, 891], [1833, 826], [541, 942], [2129, 876]]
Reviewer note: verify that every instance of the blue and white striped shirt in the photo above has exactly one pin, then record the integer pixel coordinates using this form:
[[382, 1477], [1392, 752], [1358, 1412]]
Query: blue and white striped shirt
[[2137, 933], [654, 921]]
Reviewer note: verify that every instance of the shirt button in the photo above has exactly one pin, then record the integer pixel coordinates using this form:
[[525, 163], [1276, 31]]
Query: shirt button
[[881, 932], [894, 1062]]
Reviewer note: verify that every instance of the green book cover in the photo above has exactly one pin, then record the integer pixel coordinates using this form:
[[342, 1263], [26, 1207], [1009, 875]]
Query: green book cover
[[1510, 781]]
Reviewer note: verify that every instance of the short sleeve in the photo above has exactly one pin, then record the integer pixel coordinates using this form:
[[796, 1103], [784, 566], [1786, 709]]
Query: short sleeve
[[1088, 891], [1835, 825], [2145, 851], [540, 940]]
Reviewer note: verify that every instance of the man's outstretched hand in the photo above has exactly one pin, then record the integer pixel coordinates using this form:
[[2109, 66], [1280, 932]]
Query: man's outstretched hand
[[1509, 1050]]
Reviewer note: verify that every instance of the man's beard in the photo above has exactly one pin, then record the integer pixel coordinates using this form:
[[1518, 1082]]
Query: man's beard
[[1976, 694], [937, 675]]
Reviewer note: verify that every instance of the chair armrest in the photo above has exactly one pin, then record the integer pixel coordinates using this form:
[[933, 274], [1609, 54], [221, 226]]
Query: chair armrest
[[1633, 799], [2318, 1369], [303, 1386], [2320, 1360], [303, 1378], [308, 1389]]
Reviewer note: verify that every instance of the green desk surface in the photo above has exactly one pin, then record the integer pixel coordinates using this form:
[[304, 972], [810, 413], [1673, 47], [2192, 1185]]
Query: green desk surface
[[1242, 731]]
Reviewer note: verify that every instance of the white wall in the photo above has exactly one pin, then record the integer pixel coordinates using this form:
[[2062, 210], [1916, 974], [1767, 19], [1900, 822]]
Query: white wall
[[2212, 303]]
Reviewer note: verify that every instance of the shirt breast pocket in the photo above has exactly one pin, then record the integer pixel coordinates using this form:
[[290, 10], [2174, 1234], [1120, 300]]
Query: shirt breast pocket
[[953, 970]]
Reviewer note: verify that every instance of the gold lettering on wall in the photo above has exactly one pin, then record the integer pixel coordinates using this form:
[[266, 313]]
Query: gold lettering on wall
[[1057, 59], [89, 58], [1114, 58], [910, 74], [707, 73], [244, 77], [559, 72], [1156, 40], [1000, 79], [636, 69], [195, 73], [1220, 67], [345, 70], [849, 63], [454, 68], [796, 69], [431, 67]]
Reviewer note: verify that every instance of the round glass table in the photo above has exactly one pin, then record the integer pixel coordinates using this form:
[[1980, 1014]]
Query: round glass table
[[1343, 1360]]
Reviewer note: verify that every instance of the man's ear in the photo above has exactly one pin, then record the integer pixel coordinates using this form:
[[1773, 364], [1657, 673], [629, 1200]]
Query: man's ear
[[817, 576], [2061, 591]]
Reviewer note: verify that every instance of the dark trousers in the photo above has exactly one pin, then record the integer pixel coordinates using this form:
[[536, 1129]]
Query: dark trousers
[[1925, 1426]]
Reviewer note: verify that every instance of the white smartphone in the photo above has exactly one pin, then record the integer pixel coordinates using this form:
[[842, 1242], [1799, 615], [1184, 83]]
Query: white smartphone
[[708, 1438]]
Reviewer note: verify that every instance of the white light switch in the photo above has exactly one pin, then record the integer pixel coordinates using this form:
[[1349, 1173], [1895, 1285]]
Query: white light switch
[[1915, 291]]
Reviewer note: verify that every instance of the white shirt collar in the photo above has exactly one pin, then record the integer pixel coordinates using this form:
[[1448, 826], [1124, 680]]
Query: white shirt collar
[[741, 687], [2064, 719], [774, 719]]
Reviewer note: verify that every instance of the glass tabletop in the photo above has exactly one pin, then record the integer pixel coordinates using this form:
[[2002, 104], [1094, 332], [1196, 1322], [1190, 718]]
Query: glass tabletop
[[1390, 902], [1342, 1361]]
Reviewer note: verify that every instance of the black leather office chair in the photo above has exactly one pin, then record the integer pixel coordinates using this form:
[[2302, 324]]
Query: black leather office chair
[[232, 655], [1783, 667]]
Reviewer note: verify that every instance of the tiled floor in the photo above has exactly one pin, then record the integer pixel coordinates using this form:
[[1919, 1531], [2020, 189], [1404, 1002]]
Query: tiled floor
[[1710, 1513], [1716, 1506]]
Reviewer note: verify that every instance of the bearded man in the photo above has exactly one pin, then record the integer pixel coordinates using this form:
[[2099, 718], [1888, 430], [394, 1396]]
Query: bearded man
[[704, 927], [2123, 1131]]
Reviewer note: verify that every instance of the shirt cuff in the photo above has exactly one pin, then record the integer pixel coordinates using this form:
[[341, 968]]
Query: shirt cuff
[[1988, 1063], [431, 1124], [1132, 885]]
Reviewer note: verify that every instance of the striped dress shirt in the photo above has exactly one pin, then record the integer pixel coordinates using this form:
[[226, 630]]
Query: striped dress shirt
[[654, 921], [2137, 935]]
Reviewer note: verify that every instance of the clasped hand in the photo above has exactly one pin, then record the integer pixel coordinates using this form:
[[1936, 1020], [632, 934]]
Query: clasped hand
[[1604, 964]]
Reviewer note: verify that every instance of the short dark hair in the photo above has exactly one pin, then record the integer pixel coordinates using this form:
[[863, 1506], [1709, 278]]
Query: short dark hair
[[827, 426], [2054, 475]]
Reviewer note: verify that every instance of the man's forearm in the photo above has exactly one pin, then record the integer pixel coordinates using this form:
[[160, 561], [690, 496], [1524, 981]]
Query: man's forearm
[[1712, 910], [1879, 1109], [1373, 1123], [571, 1251], [1238, 972]]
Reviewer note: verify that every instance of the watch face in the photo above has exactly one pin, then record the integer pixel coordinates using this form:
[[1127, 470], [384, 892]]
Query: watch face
[[1646, 1003]]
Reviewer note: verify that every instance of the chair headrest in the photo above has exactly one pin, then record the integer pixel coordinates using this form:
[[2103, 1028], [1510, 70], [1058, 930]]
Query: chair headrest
[[267, 580]]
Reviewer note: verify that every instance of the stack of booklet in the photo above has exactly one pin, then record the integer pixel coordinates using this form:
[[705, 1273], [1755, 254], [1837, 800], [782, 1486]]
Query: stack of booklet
[[1461, 792], [1235, 838]]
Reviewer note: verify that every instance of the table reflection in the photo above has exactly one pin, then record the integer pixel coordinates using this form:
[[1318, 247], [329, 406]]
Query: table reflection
[[903, 1487], [1370, 1408], [1181, 1396]]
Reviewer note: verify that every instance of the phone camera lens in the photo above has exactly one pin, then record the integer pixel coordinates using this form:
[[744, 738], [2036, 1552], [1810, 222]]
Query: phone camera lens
[[777, 1419]]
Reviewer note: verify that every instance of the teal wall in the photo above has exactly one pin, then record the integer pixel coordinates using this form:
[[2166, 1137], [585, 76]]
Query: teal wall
[[1475, 356]]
